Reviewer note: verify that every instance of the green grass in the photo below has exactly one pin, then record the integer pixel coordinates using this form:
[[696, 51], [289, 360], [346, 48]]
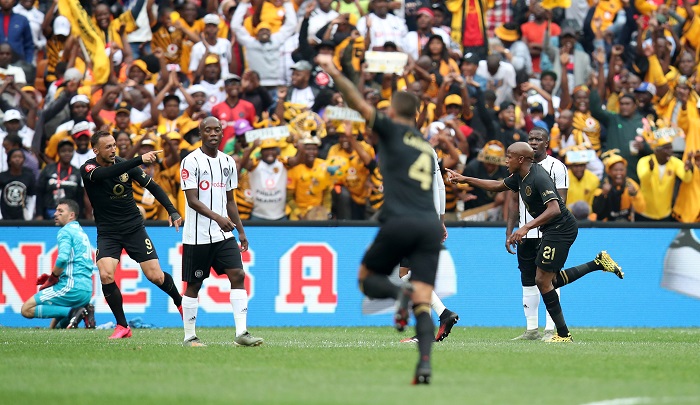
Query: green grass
[[346, 366]]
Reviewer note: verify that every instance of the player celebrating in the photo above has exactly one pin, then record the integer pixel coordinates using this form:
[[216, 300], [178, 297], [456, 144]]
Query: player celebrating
[[65, 293], [119, 223], [210, 176], [557, 224], [406, 162], [448, 319], [538, 139]]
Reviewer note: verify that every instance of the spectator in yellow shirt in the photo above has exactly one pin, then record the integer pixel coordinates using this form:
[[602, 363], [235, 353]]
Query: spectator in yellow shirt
[[618, 198], [309, 184], [582, 182], [657, 174], [358, 154]]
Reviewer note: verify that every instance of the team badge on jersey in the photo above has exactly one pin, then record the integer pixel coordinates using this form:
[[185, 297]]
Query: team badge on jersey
[[528, 191], [185, 174], [124, 178], [226, 172], [198, 273], [276, 170]]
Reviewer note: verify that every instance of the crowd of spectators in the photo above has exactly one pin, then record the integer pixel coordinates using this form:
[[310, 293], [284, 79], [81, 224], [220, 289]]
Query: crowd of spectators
[[614, 81]]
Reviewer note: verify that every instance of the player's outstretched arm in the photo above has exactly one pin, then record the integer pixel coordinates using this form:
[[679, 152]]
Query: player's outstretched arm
[[488, 185], [232, 210], [97, 173], [353, 98]]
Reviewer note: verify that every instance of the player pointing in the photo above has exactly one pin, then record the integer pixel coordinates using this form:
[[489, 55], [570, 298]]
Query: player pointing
[[107, 179], [557, 224]]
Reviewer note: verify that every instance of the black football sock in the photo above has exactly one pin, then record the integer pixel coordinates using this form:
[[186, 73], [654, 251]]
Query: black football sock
[[169, 288], [551, 301], [425, 330], [114, 299], [379, 286], [568, 276]]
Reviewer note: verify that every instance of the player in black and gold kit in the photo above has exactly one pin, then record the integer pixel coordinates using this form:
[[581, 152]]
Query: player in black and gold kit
[[119, 223], [406, 162], [558, 226]]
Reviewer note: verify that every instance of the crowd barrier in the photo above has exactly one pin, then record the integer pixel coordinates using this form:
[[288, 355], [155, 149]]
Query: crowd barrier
[[306, 276]]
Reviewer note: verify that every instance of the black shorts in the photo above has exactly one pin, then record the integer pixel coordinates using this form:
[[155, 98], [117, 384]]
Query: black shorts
[[527, 256], [554, 249], [417, 240], [197, 260], [138, 245], [407, 263]]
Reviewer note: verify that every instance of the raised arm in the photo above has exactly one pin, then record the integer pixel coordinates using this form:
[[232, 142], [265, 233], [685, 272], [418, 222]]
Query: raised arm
[[351, 95], [488, 185]]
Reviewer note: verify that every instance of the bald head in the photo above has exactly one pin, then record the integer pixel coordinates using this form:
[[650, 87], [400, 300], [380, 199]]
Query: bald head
[[522, 149], [208, 120]]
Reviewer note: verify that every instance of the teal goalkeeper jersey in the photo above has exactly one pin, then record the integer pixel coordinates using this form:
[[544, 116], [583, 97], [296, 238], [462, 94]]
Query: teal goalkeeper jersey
[[75, 257]]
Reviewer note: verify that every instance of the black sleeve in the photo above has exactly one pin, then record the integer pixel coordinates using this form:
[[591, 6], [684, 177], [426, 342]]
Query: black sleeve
[[600, 206], [92, 172], [162, 198], [58, 104], [321, 32], [381, 123], [305, 50], [512, 183]]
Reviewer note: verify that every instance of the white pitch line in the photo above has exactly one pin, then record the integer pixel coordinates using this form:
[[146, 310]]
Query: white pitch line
[[644, 400]]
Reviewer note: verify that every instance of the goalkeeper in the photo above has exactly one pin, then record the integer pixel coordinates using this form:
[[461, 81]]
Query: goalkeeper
[[65, 293]]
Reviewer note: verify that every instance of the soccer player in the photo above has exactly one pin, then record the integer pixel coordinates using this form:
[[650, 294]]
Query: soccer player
[[107, 180], [65, 293], [406, 162], [208, 178], [448, 319], [550, 215], [538, 139]]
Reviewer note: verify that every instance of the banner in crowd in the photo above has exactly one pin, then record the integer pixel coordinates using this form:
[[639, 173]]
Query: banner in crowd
[[82, 26], [385, 62], [308, 277]]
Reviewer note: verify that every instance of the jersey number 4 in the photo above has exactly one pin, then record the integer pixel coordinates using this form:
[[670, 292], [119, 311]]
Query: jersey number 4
[[422, 171]]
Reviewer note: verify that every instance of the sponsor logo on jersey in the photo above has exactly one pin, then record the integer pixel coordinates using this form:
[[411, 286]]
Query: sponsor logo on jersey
[[90, 168], [204, 185]]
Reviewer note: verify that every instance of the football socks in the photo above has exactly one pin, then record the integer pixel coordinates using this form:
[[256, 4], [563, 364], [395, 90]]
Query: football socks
[[379, 286], [425, 330], [572, 274], [239, 302], [189, 316], [531, 304], [169, 288], [113, 296], [551, 301]]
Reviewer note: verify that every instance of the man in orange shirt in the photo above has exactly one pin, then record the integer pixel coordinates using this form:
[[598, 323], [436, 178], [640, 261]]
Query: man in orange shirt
[[533, 33]]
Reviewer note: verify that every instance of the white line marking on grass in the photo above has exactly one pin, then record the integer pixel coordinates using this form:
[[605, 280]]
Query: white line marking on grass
[[644, 400]]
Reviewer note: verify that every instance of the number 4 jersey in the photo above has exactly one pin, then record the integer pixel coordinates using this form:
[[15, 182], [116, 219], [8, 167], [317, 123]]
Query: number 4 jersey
[[407, 166]]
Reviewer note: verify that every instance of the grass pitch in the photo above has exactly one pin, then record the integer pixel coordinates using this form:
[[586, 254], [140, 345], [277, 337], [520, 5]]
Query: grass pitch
[[348, 366]]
